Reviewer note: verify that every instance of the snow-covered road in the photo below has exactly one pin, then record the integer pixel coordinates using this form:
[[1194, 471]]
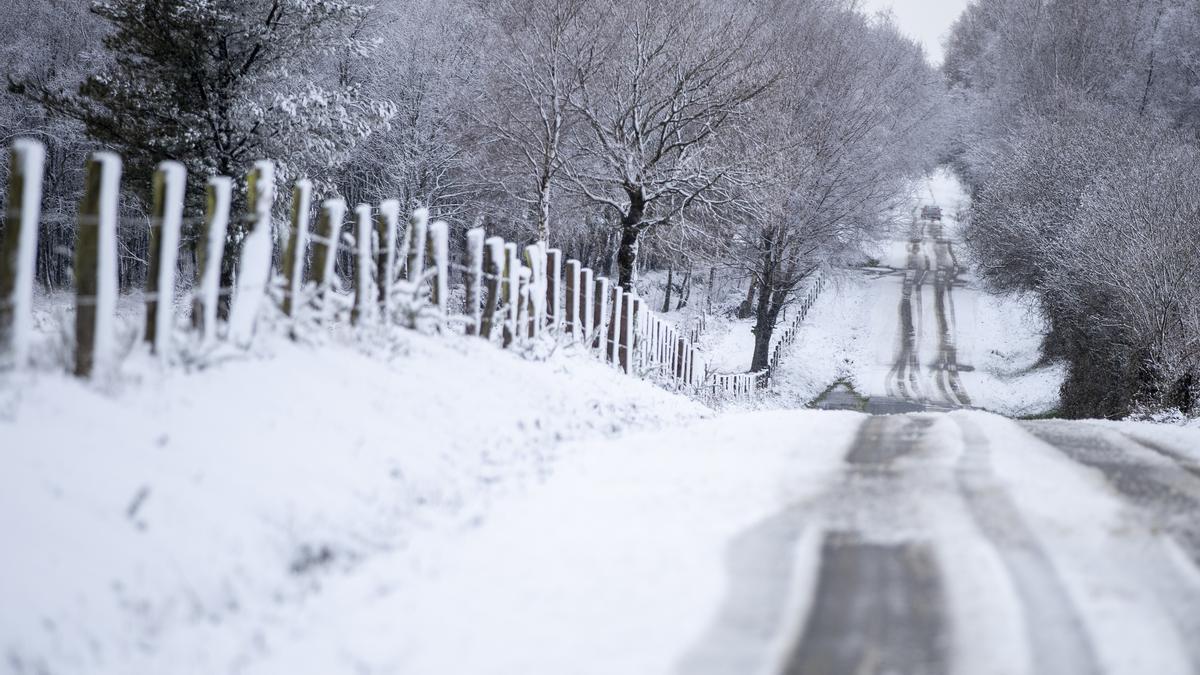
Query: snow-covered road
[[831, 543]]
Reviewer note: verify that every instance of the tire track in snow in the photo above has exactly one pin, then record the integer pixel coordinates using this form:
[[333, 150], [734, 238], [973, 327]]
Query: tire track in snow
[[1165, 491], [1058, 642], [879, 605]]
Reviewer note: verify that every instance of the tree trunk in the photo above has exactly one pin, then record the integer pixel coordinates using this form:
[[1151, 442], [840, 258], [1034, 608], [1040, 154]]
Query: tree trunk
[[667, 297], [766, 316], [627, 250]]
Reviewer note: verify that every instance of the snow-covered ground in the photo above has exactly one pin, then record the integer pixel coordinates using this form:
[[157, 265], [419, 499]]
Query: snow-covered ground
[[177, 521]]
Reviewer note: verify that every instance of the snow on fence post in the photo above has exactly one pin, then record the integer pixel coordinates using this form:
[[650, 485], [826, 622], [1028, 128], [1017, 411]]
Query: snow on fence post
[[387, 223], [614, 324], [166, 218], [512, 290], [534, 258], [210, 248], [599, 316], [27, 159], [439, 253], [254, 267], [493, 269], [473, 305], [96, 266], [362, 265], [524, 277], [553, 287], [585, 304], [418, 225], [626, 340], [293, 257], [572, 318], [329, 228]]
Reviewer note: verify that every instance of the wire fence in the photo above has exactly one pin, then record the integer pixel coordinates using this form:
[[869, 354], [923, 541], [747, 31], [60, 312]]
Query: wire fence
[[402, 273]]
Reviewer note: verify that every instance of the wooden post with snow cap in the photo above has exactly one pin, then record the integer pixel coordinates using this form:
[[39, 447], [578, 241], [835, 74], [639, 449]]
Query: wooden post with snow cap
[[210, 248], [512, 290], [387, 225], [362, 265], [329, 228], [585, 304], [553, 288], [524, 279], [535, 259], [614, 324], [473, 280], [439, 253], [18, 249], [626, 338], [96, 266], [572, 314], [418, 225], [599, 316], [254, 266], [297, 247], [493, 269], [166, 219]]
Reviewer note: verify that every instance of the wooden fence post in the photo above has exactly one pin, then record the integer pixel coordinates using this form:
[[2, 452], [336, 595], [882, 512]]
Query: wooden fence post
[[362, 265], [254, 267], [18, 250], [614, 323], [627, 320], [297, 247], [210, 248], [524, 277], [553, 287], [418, 225], [166, 218], [96, 266], [439, 252], [387, 224], [493, 269], [585, 304], [329, 229], [473, 280], [599, 315], [512, 288], [572, 318], [534, 259], [680, 357]]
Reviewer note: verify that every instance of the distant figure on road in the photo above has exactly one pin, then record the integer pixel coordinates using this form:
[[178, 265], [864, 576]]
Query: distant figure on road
[[931, 212]]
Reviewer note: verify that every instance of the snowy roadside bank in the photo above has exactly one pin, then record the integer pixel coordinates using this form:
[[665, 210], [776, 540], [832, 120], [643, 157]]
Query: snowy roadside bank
[[163, 527]]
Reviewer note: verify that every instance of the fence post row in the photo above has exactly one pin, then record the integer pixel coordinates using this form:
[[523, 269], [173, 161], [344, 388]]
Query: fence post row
[[18, 250], [600, 315]]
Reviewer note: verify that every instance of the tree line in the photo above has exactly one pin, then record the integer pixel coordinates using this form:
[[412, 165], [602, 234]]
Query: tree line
[[763, 140], [1079, 141]]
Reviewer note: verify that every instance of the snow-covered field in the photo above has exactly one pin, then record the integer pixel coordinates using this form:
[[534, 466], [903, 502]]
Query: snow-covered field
[[178, 521]]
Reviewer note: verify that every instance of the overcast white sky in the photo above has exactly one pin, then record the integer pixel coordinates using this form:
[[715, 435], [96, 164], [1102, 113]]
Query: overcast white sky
[[926, 20]]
